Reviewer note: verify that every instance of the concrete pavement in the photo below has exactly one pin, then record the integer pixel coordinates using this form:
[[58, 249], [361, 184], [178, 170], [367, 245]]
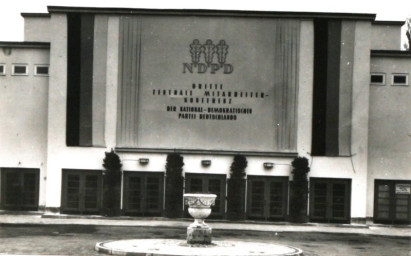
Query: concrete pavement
[[50, 219]]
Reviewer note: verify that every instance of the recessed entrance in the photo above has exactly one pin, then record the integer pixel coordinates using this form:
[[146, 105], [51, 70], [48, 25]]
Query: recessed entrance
[[330, 200], [267, 197], [143, 193], [82, 191], [20, 189]]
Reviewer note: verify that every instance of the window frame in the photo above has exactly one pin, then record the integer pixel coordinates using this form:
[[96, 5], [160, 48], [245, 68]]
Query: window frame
[[383, 83], [399, 84], [13, 66], [41, 66], [4, 69]]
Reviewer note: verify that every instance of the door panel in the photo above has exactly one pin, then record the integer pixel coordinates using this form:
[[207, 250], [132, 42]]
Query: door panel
[[330, 200], [267, 197], [73, 192], [208, 183], [143, 193], [20, 188], [319, 204], [91, 192]]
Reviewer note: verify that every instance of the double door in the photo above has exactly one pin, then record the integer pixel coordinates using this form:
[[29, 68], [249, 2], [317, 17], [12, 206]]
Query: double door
[[82, 191], [20, 189], [209, 183], [143, 193], [267, 197], [392, 203], [330, 200]]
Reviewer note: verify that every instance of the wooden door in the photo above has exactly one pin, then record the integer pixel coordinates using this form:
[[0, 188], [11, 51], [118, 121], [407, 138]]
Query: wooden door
[[143, 193], [267, 197], [20, 189], [330, 200], [82, 190], [392, 201]]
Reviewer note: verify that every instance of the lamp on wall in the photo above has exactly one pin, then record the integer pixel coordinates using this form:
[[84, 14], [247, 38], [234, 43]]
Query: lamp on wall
[[143, 160], [205, 162], [268, 165]]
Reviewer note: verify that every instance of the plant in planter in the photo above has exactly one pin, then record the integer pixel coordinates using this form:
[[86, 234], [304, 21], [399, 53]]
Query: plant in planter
[[299, 190], [112, 183], [174, 186], [236, 189]]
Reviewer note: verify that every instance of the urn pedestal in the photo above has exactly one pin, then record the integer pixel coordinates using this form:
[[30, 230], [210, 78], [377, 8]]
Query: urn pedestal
[[199, 207]]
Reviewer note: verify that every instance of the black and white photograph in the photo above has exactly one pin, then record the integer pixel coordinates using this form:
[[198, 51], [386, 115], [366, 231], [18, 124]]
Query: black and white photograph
[[209, 128]]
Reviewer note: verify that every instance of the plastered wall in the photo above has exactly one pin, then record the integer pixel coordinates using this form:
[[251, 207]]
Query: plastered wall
[[23, 113]]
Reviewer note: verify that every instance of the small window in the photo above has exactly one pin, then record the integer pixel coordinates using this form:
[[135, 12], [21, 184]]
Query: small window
[[2, 69], [19, 70], [377, 79], [41, 70], [400, 79]]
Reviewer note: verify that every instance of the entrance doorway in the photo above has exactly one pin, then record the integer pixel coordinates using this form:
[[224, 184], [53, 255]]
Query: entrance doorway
[[208, 183], [267, 197], [143, 193], [330, 200], [82, 191], [392, 201], [20, 189]]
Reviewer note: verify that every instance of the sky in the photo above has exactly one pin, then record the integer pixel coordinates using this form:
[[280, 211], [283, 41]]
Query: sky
[[11, 22]]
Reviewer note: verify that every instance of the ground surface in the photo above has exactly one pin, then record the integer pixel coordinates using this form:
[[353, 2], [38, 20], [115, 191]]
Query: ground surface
[[81, 239]]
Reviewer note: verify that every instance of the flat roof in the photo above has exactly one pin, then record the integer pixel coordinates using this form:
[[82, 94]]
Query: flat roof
[[27, 44], [391, 53], [214, 13]]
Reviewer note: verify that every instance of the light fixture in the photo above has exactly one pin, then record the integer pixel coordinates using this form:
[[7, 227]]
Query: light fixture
[[205, 162], [143, 160], [268, 165]]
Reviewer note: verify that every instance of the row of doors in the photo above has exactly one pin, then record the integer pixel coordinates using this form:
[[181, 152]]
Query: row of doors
[[267, 197]]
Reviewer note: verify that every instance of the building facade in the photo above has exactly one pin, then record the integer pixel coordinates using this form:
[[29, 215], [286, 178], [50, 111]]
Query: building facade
[[208, 85]]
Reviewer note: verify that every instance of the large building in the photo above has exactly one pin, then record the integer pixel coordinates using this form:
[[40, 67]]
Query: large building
[[209, 85]]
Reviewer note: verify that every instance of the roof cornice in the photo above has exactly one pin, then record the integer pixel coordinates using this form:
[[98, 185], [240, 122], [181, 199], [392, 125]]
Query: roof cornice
[[214, 13], [388, 22], [35, 15], [391, 53], [15, 44]]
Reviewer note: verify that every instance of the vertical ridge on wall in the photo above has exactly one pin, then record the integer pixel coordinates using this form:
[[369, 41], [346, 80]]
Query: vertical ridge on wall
[[346, 84], [99, 79], [286, 83], [333, 87], [86, 79], [129, 71]]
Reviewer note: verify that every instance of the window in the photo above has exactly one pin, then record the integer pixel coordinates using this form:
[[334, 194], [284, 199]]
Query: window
[[377, 79], [399, 79], [2, 69], [41, 70], [19, 70]]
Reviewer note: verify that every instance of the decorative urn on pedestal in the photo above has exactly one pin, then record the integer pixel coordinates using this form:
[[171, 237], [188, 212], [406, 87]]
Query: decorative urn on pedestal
[[199, 207]]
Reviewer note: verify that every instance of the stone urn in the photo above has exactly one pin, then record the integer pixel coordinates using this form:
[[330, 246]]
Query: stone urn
[[199, 207]]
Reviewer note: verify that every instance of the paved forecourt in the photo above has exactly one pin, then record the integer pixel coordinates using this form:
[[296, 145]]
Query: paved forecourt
[[167, 247]]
